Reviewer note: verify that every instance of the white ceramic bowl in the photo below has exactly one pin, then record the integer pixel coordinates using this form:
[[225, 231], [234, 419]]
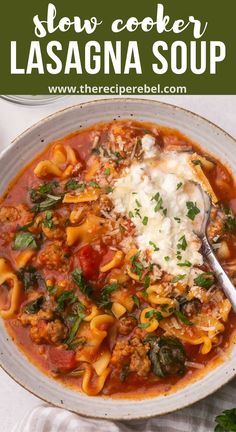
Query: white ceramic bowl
[[21, 151]]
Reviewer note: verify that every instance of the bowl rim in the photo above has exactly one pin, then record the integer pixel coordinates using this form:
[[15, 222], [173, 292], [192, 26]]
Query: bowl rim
[[4, 151]]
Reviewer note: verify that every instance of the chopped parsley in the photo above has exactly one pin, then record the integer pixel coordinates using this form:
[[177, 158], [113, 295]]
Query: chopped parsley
[[94, 184], [137, 266], [138, 204], [145, 220], [179, 185], [167, 258], [193, 210], [136, 300], [185, 264], [159, 202], [144, 325], [146, 281], [131, 215], [48, 221], [205, 280], [178, 220], [107, 171], [154, 314], [109, 189], [178, 278], [182, 243], [73, 184], [156, 249]]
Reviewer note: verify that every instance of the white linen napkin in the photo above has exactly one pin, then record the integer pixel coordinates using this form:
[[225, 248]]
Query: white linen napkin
[[199, 417]]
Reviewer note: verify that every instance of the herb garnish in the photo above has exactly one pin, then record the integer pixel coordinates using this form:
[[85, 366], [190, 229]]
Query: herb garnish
[[156, 249], [179, 185], [80, 281], [48, 221], [78, 318], [104, 300], [159, 202], [145, 220], [136, 300], [193, 210], [24, 240], [182, 243], [94, 184], [185, 264], [34, 306], [73, 184], [178, 278], [205, 280], [50, 202], [66, 298], [154, 314], [183, 318], [29, 277], [137, 266]]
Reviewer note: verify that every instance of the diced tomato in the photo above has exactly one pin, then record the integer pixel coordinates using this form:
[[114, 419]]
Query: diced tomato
[[61, 359], [89, 260]]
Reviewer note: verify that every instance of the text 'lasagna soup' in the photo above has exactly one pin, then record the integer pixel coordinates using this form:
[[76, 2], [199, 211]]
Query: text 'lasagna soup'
[[102, 280]]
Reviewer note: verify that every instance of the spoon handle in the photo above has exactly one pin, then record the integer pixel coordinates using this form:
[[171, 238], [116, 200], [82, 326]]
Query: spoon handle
[[223, 279]]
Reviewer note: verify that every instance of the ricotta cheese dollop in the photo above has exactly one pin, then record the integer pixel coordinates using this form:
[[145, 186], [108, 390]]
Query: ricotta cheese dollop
[[158, 197]]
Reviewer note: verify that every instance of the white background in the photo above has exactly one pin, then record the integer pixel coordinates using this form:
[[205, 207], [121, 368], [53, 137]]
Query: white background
[[14, 119]]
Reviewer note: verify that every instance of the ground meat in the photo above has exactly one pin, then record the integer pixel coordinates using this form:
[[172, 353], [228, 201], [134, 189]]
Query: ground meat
[[33, 319], [127, 324], [52, 332], [140, 362], [106, 203], [54, 257], [57, 231], [121, 353], [134, 353], [8, 214]]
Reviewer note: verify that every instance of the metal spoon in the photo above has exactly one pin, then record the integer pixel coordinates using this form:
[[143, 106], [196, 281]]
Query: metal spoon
[[201, 232]]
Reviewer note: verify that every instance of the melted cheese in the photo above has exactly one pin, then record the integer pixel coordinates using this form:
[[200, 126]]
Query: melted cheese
[[133, 195]]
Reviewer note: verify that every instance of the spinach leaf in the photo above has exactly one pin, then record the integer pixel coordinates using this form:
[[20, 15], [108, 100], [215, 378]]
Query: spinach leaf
[[29, 277], [38, 194], [34, 306], [24, 240], [167, 355], [80, 281], [66, 298], [50, 202], [77, 321]]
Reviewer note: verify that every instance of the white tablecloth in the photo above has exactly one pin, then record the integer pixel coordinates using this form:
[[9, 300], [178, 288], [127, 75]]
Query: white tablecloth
[[15, 402]]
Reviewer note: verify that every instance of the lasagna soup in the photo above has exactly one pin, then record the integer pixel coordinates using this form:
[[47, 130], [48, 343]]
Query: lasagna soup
[[102, 281]]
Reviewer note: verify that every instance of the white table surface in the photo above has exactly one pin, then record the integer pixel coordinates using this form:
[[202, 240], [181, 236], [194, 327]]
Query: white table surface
[[14, 119]]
